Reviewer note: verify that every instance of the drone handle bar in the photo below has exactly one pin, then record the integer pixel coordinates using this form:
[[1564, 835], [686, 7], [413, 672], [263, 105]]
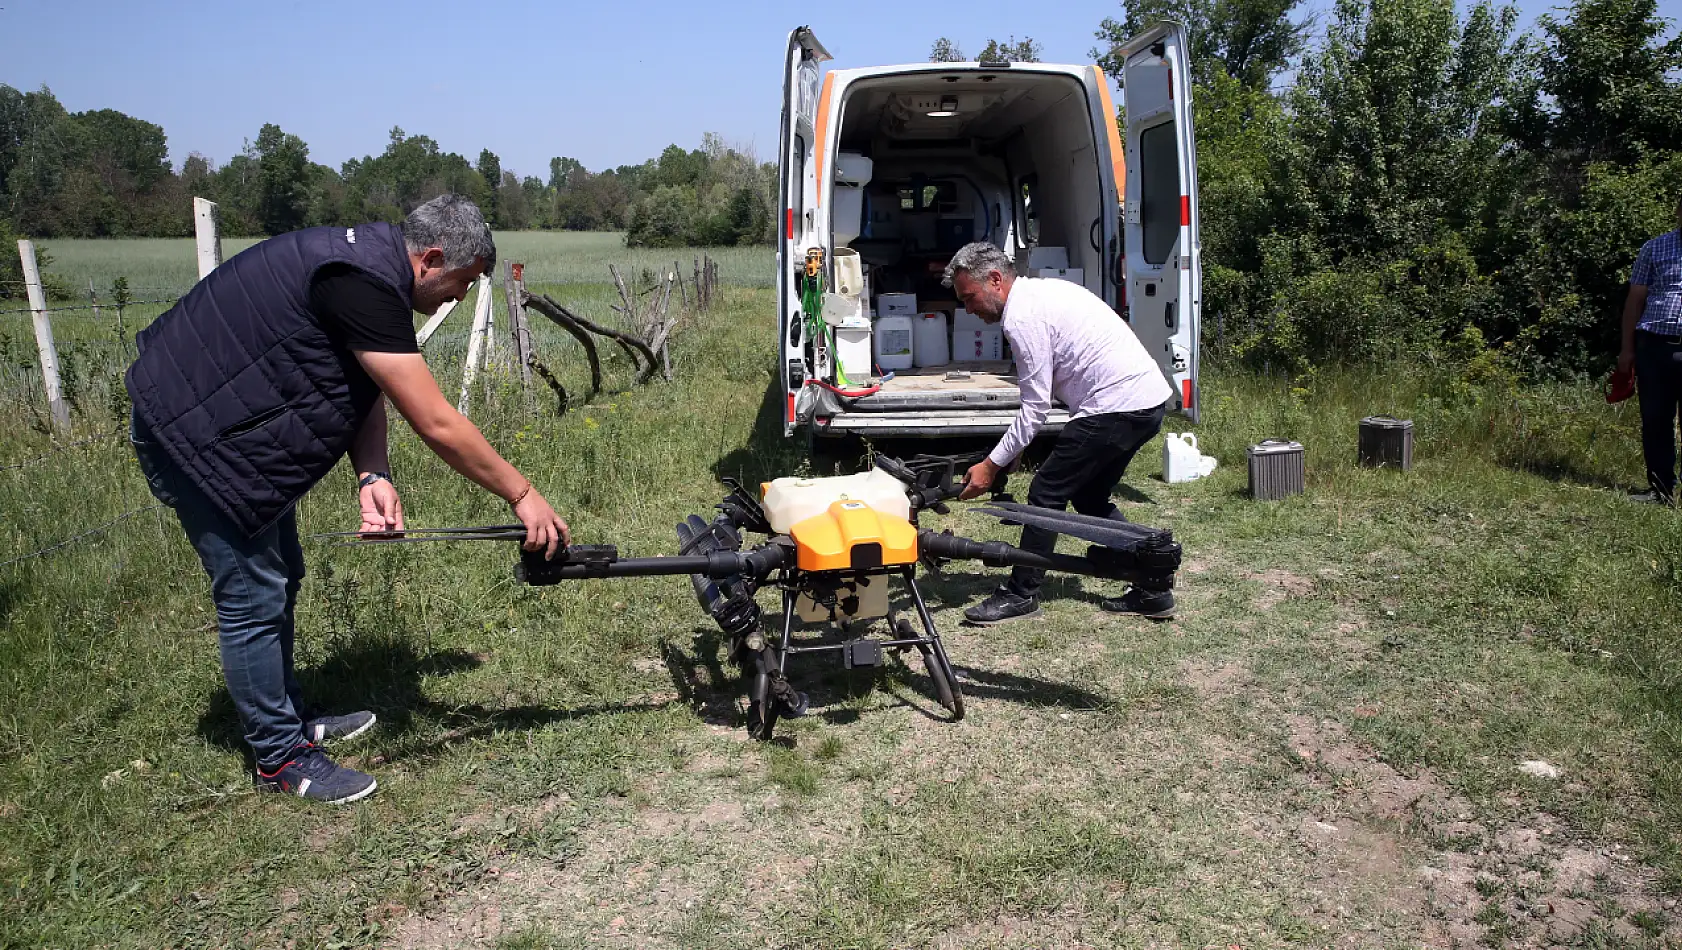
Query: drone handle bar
[[584, 562]]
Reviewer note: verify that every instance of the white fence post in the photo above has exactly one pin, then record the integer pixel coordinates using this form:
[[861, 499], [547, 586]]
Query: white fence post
[[44, 336], [207, 225], [475, 341], [435, 322]]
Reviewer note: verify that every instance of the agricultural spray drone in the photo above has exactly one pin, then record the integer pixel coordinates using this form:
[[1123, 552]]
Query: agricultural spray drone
[[832, 544]]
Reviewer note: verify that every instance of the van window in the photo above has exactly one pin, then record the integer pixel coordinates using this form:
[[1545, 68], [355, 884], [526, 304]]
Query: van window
[[1159, 191], [939, 196], [1029, 214]]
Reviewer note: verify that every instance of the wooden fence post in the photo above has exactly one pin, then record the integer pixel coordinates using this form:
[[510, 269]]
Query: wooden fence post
[[512, 288], [475, 341], [207, 226], [44, 336]]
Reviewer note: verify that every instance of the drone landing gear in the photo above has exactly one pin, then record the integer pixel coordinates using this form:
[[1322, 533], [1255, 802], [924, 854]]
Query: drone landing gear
[[771, 696]]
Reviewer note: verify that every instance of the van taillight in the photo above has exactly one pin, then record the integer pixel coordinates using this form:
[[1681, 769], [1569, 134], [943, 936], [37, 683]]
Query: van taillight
[[789, 233], [1185, 388]]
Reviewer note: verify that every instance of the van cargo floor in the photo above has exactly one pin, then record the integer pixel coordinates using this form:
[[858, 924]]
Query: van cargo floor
[[993, 374]]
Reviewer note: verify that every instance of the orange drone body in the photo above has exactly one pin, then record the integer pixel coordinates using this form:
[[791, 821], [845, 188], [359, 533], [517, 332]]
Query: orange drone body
[[851, 535]]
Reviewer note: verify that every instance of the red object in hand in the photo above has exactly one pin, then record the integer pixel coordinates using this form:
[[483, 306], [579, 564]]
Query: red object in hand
[[1621, 386]]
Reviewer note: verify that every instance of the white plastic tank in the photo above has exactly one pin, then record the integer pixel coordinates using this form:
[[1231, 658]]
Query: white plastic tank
[[931, 342], [852, 348], [892, 339], [789, 501], [849, 273], [1181, 460]]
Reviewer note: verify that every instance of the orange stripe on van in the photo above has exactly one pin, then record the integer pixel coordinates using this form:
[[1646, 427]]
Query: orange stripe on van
[[1118, 158], [1185, 387], [1185, 211], [791, 407], [820, 132]]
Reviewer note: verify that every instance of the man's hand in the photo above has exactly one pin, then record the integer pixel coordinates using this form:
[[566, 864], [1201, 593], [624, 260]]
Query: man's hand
[[1626, 360], [382, 510], [978, 479], [545, 530]]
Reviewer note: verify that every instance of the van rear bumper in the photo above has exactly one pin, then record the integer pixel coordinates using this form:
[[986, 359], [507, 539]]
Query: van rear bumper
[[929, 424]]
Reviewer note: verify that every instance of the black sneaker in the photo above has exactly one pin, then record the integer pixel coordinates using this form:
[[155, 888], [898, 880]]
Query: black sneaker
[[1157, 605], [338, 728], [1002, 606], [311, 774]]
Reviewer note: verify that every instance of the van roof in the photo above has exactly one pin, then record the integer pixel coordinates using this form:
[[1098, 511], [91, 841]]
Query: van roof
[[861, 72]]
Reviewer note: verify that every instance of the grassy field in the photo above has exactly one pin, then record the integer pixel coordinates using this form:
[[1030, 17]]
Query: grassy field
[[1323, 750], [161, 265]]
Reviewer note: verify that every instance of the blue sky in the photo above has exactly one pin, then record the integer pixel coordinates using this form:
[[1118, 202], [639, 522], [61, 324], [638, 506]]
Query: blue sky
[[606, 83]]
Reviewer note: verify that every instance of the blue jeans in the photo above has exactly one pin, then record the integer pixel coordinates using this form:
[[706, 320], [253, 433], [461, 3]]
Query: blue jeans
[[254, 582]]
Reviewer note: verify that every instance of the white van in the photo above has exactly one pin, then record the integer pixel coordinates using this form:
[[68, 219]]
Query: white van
[[905, 164]]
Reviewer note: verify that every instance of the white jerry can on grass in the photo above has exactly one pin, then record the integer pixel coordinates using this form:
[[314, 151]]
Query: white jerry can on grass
[[1181, 462]]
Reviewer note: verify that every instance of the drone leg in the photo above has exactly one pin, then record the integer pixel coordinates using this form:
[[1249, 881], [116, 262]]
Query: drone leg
[[945, 678], [769, 693]]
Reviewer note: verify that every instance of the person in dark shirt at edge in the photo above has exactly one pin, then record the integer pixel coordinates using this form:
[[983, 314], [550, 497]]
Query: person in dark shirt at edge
[[252, 387]]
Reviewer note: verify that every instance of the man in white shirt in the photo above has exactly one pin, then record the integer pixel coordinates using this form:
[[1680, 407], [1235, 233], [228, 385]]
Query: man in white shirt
[[1069, 346]]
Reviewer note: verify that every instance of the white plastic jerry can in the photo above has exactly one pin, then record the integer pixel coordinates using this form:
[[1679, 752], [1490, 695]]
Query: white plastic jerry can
[[1181, 462]]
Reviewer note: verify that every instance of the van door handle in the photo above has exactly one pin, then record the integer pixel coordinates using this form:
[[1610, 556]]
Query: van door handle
[[1092, 234]]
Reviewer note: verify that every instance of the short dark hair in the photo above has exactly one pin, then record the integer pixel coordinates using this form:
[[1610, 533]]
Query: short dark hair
[[455, 226]]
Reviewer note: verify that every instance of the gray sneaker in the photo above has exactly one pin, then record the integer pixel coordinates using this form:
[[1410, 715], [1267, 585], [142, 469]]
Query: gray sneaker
[[339, 728], [1653, 497]]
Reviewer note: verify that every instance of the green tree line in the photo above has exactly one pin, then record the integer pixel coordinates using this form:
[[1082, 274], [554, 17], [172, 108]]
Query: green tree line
[[106, 174], [1423, 182]]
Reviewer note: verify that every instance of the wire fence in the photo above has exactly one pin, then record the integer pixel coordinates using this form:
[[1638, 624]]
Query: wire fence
[[97, 529], [30, 463], [93, 307]]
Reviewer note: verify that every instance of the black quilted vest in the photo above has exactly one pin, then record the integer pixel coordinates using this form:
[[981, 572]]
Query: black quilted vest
[[241, 385]]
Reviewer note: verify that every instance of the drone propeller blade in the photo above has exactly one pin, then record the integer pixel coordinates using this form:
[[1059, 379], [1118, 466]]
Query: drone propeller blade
[[1110, 534]]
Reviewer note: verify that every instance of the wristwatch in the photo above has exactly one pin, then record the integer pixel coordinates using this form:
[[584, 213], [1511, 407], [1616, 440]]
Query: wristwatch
[[373, 477]]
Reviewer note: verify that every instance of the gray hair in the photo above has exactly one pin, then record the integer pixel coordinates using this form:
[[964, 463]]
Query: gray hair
[[977, 260], [455, 226]]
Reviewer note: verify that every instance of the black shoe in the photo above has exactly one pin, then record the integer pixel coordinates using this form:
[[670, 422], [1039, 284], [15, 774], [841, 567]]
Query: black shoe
[[1002, 606], [311, 774], [1157, 605]]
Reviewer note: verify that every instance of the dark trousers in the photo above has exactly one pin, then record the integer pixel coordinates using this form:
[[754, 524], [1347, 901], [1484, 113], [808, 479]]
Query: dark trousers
[[1658, 374], [1084, 468]]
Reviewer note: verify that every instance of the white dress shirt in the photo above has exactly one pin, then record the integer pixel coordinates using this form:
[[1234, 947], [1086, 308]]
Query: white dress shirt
[[1070, 346]]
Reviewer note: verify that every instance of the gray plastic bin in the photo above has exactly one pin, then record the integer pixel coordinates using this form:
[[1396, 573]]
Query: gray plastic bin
[[1386, 441], [1275, 469]]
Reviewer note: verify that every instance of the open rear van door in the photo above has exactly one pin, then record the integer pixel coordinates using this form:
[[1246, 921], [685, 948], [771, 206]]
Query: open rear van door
[[796, 221], [1164, 254]]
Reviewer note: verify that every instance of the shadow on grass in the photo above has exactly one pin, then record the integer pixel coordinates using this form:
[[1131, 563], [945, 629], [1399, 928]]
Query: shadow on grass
[[712, 687], [1557, 466], [386, 677], [961, 588], [768, 453]]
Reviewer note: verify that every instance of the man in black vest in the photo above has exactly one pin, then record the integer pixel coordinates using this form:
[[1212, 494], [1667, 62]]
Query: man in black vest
[[252, 387]]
